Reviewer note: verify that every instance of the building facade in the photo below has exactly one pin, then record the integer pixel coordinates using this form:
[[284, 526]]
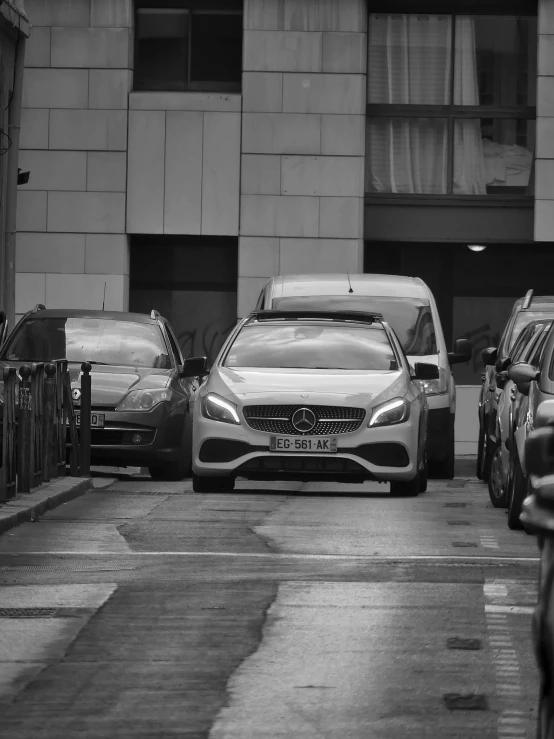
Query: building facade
[[183, 151]]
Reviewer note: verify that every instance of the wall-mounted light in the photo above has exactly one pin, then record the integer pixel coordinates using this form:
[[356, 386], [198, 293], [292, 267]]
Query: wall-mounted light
[[476, 247]]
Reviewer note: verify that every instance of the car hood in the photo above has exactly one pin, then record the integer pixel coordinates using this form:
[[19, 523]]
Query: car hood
[[308, 386], [110, 384]]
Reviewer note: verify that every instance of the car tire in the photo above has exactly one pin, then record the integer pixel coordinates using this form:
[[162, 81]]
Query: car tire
[[517, 493], [498, 492], [406, 489], [481, 443], [212, 484], [443, 469]]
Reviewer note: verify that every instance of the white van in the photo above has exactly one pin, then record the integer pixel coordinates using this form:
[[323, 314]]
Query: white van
[[409, 307]]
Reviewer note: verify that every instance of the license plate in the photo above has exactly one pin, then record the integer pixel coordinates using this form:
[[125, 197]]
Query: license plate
[[321, 444], [97, 420]]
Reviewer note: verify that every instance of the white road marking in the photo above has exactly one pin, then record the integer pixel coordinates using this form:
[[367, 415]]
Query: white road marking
[[279, 555], [528, 610]]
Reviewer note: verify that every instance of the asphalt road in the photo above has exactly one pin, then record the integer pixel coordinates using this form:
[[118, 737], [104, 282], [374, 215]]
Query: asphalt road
[[279, 610]]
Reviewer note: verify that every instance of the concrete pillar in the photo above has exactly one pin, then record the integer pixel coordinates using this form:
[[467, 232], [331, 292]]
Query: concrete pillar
[[544, 162], [303, 140]]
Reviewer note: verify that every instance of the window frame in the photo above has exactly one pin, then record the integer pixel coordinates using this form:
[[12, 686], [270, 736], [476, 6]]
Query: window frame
[[450, 113], [189, 7]]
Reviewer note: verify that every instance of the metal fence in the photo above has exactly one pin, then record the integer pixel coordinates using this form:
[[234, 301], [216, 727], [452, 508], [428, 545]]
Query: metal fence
[[40, 436]]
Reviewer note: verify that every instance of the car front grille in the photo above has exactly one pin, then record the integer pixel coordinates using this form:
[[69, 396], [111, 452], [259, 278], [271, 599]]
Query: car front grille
[[330, 419]]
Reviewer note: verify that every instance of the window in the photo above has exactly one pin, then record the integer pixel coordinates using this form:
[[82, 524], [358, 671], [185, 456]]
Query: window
[[188, 45], [451, 104], [312, 346]]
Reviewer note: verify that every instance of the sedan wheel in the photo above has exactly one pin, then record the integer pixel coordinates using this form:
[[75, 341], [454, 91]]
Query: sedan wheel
[[497, 484], [480, 453], [517, 492]]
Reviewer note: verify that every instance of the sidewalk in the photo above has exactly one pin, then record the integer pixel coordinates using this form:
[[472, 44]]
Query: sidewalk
[[28, 506]]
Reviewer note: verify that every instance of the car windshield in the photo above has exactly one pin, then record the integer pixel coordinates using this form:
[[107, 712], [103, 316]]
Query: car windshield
[[523, 319], [312, 346], [410, 318], [97, 340]]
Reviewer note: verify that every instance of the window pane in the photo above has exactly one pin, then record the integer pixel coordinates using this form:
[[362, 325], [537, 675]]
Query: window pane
[[407, 155], [409, 59], [495, 61], [216, 47], [162, 49], [493, 156]]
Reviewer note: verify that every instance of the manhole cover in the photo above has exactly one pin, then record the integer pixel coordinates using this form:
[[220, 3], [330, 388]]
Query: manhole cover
[[458, 523], [455, 505], [28, 612], [467, 702], [463, 544], [457, 642], [76, 568]]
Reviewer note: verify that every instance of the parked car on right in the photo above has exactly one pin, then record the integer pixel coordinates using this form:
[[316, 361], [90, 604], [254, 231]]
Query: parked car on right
[[527, 348], [497, 359], [534, 381]]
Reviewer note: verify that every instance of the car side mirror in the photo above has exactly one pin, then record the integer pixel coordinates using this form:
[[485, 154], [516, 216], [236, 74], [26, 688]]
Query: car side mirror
[[194, 367], [502, 364], [523, 375], [502, 380], [489, 356], [462, 352], [539, 452], [425, 371]]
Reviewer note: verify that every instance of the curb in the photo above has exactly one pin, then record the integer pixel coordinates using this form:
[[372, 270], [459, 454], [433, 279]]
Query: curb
[[28, 506]]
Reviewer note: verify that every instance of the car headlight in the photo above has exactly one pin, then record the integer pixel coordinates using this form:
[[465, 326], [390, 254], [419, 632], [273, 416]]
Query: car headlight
[[144, 400], [218, 409], [436, 387], [393, 411]]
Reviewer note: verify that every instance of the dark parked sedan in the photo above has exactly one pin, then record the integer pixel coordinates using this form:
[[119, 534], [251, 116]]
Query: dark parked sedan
[[141, 409]]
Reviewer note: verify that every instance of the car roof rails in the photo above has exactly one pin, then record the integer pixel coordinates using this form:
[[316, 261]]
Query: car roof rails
[[154, 315], [38, 306], [527, 300], [337, 315]]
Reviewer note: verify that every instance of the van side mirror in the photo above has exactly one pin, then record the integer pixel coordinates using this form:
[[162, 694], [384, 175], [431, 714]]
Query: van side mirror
[[489, 356], [523, 375], [461, 353], [194, 367], [425, 371], [502, 379], [502, 364]]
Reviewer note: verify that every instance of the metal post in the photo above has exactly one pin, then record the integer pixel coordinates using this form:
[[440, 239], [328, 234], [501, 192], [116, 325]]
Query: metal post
[[37, 387], [61, 417], [86, 404], [49, 439], [8, 470], [25, 442]]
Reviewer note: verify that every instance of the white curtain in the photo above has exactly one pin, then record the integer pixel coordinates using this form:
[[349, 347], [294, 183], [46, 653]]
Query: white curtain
[[409, 62]]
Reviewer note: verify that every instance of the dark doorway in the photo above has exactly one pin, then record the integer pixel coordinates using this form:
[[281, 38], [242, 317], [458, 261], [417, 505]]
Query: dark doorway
[[474, 291], [191, 281]]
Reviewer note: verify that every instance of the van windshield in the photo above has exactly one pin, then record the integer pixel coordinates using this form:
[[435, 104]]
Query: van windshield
[[410, 318]]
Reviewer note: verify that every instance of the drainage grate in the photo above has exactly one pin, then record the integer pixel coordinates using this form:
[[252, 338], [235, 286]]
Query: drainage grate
[[457, 642], [467, 702], [76, 568], [463, 544], [458, 523], [28, 612], [455, 505]]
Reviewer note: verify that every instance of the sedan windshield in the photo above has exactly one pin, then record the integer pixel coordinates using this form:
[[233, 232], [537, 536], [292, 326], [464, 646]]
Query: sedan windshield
[[97, 340], [410, 318], [312, 346]]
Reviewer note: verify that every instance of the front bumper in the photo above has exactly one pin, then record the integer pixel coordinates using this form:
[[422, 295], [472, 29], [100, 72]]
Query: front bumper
[[384, 454], [160, 431]]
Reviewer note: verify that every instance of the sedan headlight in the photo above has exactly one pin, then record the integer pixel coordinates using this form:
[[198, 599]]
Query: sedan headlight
[[218, 409], [144, 400], [436, 387], [393, 411]]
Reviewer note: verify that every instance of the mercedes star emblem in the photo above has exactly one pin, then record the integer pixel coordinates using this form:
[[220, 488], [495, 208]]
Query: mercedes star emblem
[[76, 393], [304, 420]]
